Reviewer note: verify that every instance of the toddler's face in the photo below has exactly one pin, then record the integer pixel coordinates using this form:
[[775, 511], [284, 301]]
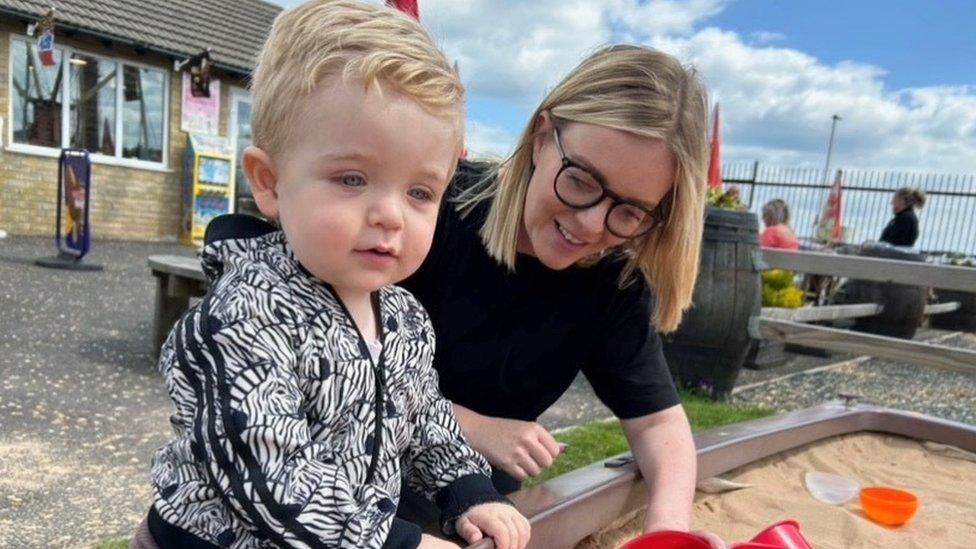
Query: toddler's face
[[360, 183]]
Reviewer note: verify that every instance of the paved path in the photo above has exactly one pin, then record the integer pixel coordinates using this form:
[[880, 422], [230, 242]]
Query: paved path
[[81, 405]]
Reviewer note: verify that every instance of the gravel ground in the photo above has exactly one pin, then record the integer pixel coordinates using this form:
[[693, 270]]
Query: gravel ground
[[82, 407], [949, 395]]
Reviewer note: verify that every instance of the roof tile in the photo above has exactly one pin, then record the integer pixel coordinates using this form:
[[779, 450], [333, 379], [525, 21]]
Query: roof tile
[[234, 30]]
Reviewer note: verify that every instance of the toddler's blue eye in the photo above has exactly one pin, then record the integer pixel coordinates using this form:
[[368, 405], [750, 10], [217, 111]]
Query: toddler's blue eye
[[421, 194], [353, 180]]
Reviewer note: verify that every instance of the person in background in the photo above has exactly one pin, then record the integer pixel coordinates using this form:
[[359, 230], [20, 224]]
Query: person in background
[[778, 234], [902, 230]]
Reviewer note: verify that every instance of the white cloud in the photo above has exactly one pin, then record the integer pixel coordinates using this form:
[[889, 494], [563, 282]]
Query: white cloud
[[486, 140], [766, 37], [777, 104], [514, 50]]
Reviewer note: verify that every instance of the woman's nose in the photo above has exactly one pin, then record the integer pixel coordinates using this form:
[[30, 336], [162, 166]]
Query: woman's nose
[[592, 219]]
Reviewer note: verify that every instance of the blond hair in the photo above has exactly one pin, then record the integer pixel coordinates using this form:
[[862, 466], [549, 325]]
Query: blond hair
[[640, 91], [348, 38], [913, 197]]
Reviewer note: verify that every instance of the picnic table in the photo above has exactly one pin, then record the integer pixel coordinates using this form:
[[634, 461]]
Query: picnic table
[[178, 278]]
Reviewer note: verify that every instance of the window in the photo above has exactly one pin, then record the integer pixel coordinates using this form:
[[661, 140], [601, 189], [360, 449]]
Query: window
[[36, 92], [92, 118], [112, 108], [143, 114], [241, 134]]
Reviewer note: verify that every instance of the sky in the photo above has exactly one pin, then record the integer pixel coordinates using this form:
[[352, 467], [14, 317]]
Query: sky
[[900, 73]]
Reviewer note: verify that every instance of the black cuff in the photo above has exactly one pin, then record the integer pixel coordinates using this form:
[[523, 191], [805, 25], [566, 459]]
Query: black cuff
[[166, 535], [403, 535], [463, 494]]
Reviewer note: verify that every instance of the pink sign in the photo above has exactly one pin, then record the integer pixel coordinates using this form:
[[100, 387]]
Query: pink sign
[[200, 114]]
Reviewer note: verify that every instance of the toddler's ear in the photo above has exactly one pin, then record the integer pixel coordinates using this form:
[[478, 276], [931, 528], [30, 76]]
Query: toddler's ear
[[259, 168]]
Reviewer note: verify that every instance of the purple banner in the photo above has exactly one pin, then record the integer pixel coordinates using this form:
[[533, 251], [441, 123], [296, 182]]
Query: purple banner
[[74, 194]]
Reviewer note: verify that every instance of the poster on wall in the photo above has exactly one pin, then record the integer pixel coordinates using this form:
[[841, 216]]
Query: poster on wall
[[200, 115]]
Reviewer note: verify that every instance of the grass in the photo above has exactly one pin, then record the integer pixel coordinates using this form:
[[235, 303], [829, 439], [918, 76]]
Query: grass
[[595, 441]]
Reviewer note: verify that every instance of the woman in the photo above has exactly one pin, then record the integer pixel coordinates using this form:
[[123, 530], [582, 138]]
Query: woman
[[559, 259], [778, 234], [902, 230]]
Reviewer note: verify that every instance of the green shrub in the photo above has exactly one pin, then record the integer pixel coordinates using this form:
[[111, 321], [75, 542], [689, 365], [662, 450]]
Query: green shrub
[[779, 291]]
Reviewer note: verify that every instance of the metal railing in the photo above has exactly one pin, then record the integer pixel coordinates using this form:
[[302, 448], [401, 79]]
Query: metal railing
[[947, 223]]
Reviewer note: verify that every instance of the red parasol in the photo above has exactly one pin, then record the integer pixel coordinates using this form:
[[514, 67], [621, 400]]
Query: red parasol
[[830, 218], [715, 166], [409, 7]]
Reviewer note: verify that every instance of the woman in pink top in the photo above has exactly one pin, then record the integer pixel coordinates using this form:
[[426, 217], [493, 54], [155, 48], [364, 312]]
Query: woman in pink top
[[778, 234]]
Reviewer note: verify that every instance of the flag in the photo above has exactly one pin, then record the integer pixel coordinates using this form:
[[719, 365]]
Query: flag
[[409, 7], [715, 165], [829, 228], [45, 48]]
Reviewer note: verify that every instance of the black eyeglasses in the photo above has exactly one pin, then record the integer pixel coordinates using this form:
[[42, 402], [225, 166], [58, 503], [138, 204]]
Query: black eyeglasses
[[577, 188]]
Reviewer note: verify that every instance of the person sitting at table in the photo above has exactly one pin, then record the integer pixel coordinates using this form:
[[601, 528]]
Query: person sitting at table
[[778, 234], [902, 230]]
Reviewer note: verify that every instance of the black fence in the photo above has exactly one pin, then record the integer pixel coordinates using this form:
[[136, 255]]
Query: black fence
[[947, 223]]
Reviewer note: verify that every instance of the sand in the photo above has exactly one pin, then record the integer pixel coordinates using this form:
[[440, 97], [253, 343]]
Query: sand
[[945, 486]]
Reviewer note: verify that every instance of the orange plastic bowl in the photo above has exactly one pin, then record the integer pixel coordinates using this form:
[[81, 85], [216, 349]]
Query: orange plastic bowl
[[888, 506]]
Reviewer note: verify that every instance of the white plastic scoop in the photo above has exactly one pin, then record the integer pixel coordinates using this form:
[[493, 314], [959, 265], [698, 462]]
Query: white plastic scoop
[[831, 488]]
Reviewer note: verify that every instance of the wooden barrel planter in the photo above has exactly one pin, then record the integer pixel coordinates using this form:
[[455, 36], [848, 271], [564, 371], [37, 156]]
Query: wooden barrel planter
[[963, 318], [904, 304], [707, 350]]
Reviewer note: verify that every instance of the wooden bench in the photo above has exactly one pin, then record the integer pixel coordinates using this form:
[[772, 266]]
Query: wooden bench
[[837, 312], [178, 278], [789, 325]]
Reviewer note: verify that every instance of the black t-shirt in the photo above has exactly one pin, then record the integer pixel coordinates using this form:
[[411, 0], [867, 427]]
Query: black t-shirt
[[510, 343], [902, 230]]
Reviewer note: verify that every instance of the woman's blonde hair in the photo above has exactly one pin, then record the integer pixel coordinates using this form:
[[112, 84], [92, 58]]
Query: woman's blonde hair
[[913, 197], [640, 91], [323, 38]]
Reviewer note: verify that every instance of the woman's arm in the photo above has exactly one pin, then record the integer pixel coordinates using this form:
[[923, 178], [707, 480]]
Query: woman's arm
[[665, 452], [520, 448]]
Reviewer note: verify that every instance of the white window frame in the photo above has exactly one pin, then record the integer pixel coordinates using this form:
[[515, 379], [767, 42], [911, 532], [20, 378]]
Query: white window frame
[[237, 93], [98, 158]]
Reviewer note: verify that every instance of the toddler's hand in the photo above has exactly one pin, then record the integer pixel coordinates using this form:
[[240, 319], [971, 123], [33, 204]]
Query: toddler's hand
[[499, 521]]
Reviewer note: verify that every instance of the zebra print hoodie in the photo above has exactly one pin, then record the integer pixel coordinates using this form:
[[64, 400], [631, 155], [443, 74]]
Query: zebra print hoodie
[[278, 440]]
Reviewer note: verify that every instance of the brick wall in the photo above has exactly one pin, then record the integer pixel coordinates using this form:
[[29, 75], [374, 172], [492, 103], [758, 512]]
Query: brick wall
[[127, 203]]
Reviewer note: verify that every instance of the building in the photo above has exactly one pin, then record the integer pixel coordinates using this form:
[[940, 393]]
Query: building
[[111, 88]]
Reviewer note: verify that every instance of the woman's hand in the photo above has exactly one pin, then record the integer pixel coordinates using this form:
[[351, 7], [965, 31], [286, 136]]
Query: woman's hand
[[499, 521], [430, 542], [520, 448]]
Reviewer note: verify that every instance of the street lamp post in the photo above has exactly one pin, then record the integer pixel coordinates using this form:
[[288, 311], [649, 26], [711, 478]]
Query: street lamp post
[[830, 147]]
